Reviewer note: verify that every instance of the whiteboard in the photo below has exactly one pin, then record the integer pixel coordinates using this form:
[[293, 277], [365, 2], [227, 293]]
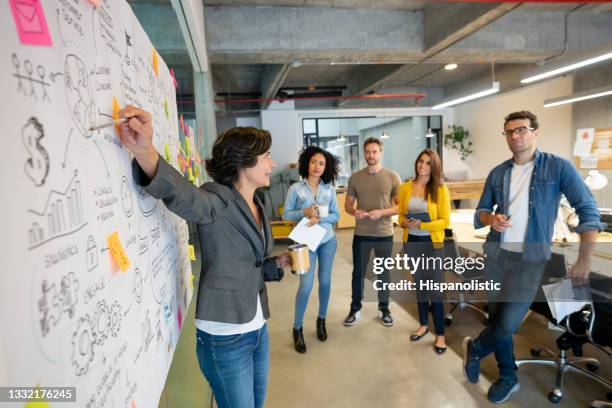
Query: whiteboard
[[70, 316]]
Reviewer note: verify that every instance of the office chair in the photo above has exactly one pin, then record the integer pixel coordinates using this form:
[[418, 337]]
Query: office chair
[[589, 325], [452, 250]]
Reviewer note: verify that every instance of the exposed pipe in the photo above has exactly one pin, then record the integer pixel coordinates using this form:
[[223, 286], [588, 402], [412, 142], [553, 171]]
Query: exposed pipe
[[417, 96]]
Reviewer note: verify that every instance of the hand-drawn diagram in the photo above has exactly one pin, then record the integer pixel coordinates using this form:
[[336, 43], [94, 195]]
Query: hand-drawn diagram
[[91, 253], [53, 303], [62, 214], [37, 164], [37, 80], [127, 203], [139, 281], [146, 203], [79, 94]]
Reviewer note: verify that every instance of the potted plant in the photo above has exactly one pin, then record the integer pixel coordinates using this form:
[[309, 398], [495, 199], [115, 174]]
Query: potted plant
[[459, 139]]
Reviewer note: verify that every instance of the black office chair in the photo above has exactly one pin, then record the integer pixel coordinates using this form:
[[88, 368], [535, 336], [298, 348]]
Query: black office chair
[[589, 325], [452, 250]]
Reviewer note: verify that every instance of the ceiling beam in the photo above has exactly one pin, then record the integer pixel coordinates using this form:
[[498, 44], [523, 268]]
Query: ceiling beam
[[273, 78]]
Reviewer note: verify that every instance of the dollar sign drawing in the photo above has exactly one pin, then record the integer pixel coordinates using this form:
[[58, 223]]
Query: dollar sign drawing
[[37, 164]]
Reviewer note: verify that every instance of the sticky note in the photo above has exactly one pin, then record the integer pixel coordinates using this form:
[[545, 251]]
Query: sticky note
[[117, 251], [116, 109], [190, 172], [191, 252], [133, 404], [166, 107], [31, 22], [176, 85], [179, 318], [167, 152], [197, 171], [155, 62], [192, 277], [96, 3], [187, 147], [182, 122]]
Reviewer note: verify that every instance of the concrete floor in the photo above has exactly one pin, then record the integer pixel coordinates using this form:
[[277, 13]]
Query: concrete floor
[[369, 365]]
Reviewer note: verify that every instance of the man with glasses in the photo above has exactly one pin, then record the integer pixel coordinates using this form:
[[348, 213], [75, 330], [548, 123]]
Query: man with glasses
[[520, 202]]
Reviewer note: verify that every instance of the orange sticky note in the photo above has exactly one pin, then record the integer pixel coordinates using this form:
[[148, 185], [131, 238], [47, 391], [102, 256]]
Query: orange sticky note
[[116, 109], [117, 251], [155, 62], [96, 3]]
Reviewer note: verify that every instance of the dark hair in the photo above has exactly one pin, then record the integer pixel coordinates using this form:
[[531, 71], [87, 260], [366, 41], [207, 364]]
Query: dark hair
[[332, 164], [435, 179], [533, 120], [236, 149], [371, 140]]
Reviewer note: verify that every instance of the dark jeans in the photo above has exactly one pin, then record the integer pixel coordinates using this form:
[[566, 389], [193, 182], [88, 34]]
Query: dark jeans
[[362, 247], [236, 366], [416, 246], [520, 281]]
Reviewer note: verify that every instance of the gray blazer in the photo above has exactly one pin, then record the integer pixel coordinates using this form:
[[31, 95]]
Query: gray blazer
[[235, 258]]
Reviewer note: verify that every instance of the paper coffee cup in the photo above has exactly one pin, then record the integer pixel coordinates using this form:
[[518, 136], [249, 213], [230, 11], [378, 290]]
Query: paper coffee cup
[[323, 210], [300, 259]]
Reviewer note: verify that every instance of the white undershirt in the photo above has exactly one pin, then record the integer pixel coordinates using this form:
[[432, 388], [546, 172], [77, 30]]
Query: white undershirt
[[224, 329], [518, 209]]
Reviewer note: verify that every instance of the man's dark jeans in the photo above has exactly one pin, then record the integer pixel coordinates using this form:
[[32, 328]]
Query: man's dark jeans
[[362, 247], [520, 281]]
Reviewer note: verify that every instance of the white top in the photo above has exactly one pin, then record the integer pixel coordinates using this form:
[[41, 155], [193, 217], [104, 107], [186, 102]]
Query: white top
[[225, 329], [418, 204], [513, 238]]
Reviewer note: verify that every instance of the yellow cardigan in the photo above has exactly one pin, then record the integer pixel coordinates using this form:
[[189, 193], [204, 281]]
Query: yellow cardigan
[[438, 212]]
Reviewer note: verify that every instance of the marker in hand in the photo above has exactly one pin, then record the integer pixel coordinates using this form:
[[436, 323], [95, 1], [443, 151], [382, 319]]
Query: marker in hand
[[109, 124]]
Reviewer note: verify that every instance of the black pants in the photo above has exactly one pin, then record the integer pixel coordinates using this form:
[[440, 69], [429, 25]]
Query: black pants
[[362, 247], [421, 246]]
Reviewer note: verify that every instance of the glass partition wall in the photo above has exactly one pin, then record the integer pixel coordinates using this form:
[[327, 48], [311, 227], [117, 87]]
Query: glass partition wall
[[344, 137]]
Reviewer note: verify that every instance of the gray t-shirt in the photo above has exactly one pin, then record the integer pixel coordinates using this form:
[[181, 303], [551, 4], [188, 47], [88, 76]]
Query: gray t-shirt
[[374, 191]]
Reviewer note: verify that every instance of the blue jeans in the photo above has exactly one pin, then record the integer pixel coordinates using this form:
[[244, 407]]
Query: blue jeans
[[362, 247], [325, 252], [418, 246], [236, 366], [520, 281]]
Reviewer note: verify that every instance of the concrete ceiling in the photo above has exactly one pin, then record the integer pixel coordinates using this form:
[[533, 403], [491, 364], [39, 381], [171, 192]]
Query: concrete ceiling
[[260, 47]]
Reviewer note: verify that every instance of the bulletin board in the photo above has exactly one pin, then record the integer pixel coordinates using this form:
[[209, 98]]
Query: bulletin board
[[95, 274], [600, 151]]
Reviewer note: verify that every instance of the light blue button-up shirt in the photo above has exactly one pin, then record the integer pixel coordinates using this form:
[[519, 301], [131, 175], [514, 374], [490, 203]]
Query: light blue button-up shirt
[[551, 177], [300, 196]]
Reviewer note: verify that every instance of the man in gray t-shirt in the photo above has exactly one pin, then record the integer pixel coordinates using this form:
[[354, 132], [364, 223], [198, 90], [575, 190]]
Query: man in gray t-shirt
[[375, 190]]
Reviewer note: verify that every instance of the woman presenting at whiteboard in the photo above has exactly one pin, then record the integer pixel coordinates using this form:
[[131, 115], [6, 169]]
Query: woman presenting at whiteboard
[[232, 304]]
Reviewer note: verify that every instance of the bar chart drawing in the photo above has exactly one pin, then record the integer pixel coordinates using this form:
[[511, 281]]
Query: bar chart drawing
[[62, 215]]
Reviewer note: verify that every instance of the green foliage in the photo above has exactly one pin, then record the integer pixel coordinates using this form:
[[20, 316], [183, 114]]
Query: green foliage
[[459, 139]]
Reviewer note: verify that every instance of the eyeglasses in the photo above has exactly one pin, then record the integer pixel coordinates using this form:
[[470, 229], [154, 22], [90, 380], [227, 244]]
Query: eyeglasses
[[521, 131]]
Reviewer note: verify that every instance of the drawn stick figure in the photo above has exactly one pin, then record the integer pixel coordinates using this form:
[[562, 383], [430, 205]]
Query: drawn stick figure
[[16, 63], [30, 70], [41, 74]]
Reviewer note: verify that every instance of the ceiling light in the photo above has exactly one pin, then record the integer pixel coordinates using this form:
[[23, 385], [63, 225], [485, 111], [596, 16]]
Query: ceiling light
[[602, 55], [494, 89], [296, 63], [430, 133], [580, 96], [450, 67], [385, 134]]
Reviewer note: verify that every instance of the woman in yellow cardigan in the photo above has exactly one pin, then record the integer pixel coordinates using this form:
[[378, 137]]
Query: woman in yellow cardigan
[[426, 194]]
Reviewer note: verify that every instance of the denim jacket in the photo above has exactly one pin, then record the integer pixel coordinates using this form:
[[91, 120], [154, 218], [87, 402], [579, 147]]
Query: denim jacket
[[551, 177], [300, 196]]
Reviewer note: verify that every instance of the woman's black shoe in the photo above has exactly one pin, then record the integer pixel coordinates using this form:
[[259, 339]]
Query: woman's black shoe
[[439, 350], [321, 332], [416, 337], [298, 340]]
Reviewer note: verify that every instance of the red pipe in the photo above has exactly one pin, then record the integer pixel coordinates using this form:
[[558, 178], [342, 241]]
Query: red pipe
[[417, 96]]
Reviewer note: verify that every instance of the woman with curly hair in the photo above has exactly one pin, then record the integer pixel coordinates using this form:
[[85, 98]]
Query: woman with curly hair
[[314, 197], [232, 304]]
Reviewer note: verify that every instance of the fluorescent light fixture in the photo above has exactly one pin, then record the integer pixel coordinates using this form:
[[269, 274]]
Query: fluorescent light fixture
[[450, 67], [385, 134], [494, 89], [580, 96], [341, 138], [602, 55], [430, 133]]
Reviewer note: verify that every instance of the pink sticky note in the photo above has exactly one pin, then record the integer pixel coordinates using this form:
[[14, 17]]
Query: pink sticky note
[[31, 23], [176, 85], [96, 3], [180, 318]]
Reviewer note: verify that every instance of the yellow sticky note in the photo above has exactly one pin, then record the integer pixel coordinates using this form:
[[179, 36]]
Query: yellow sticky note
[[37, 403], [192, 253], [117, 251], [166, 108], [167, 151], [191, 178], [187, 146], [155, 62], [197, 171], [192, 276]]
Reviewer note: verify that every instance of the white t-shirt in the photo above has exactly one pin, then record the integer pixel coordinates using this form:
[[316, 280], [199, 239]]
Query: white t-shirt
[[518, 209]]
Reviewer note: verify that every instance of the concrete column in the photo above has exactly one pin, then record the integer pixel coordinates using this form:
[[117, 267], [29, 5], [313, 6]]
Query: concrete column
[[205, 110]]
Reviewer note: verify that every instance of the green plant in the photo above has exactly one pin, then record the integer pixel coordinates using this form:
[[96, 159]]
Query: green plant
[[459, 139]]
